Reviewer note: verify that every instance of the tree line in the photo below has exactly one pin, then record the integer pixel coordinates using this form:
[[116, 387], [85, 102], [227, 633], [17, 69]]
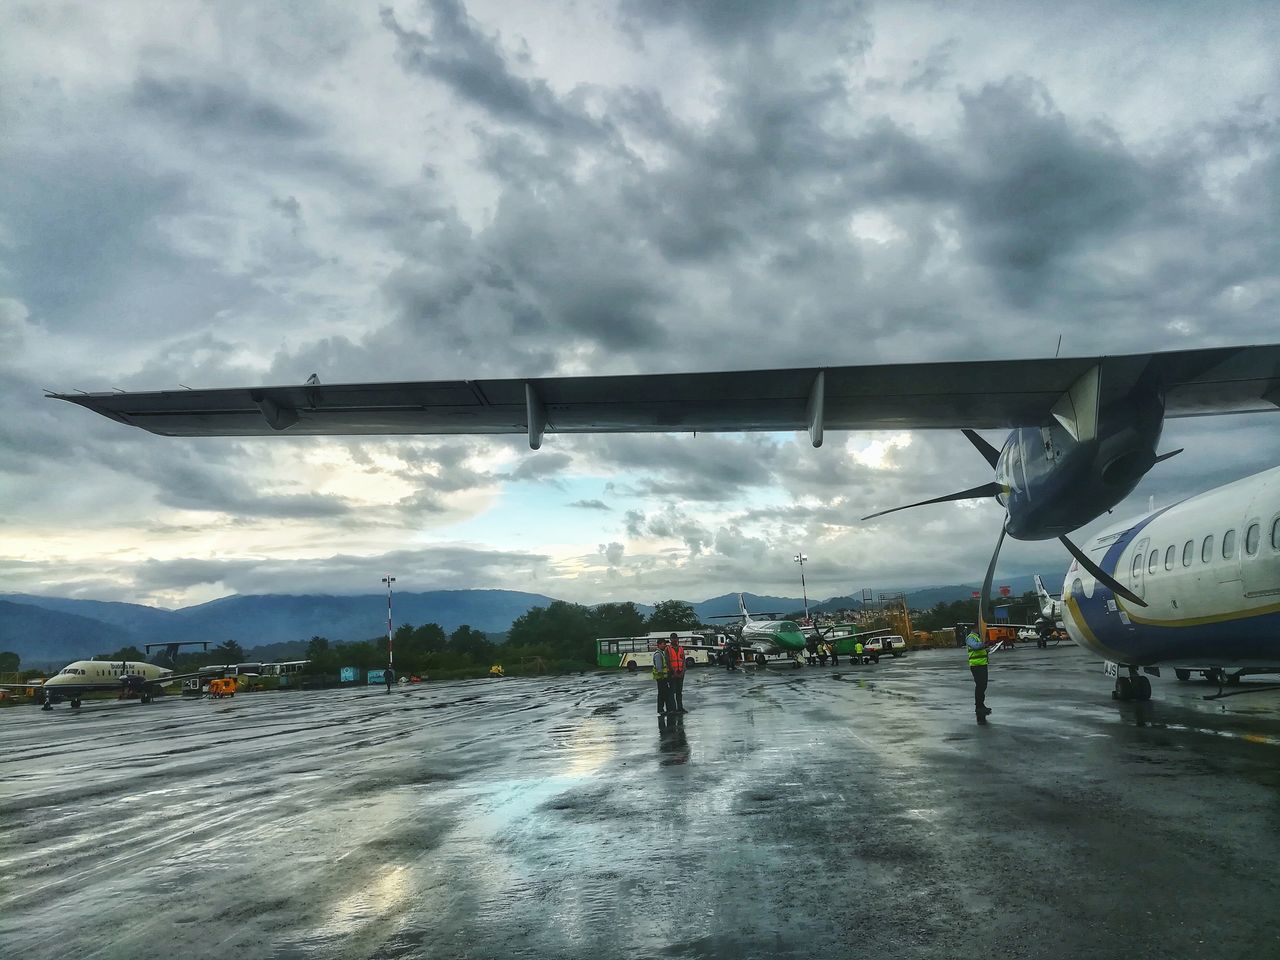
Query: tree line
[[560, 636]]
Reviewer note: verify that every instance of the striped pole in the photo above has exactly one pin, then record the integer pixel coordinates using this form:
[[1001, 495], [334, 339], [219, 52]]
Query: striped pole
[[391, 659]]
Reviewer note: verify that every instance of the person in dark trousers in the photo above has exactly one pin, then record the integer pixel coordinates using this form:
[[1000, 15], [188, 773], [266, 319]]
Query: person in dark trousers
[[675, 659], [978, 667], [389, 675], [662, 674], [835, 657]]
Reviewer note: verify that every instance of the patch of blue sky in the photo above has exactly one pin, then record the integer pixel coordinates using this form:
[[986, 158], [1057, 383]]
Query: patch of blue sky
[[529, 513]]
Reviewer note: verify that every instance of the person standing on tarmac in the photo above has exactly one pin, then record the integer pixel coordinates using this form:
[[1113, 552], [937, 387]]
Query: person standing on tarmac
[[388, 675], [978, 667], [675, 657], [662, 674]]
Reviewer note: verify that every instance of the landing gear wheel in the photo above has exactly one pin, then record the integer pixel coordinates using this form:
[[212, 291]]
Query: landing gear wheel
[[1233, 678], [75, 702], [1214, 676], [1141, 688], [1123, 689], [1182, 674], [760, 660], [145, 697], [631, 667]]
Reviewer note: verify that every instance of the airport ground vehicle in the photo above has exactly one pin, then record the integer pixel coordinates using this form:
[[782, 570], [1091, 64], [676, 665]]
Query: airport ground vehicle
[[695, 655], [886, 646], [222, 687], [634, 652]]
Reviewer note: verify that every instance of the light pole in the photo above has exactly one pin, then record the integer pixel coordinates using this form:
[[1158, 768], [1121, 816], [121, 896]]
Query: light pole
[[800, 558], [391, 659]]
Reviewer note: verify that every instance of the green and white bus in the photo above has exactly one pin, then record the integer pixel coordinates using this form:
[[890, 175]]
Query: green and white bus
[[636, 653]]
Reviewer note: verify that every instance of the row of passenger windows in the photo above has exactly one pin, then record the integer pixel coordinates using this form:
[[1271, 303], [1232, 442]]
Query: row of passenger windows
[[1251, 538]]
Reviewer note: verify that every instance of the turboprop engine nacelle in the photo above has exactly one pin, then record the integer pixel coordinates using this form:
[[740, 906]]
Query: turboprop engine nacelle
[[1059, 477]]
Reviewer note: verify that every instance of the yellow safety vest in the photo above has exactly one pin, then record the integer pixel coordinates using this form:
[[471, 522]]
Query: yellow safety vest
[[665, 671], [977, 658]]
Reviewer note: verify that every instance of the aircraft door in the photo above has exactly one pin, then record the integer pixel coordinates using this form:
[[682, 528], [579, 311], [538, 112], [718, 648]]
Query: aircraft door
[[1260, 547], [1138, 568]]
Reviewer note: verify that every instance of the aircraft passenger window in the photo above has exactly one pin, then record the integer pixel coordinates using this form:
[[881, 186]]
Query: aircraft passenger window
[[1206, 549], [1275, 534], [1251, 538], [1228, 545], [1188, 551], [1137, 564], [1168, 557], [1152, 561]]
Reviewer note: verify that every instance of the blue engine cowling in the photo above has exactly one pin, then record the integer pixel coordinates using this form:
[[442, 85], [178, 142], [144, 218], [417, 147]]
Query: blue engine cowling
[[1054, 483]]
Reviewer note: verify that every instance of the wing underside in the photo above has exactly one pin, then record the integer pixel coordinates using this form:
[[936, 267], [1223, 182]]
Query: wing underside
[[975, 394]]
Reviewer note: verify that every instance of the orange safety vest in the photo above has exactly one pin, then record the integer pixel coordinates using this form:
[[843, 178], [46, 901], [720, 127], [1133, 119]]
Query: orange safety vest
[[675, 655]]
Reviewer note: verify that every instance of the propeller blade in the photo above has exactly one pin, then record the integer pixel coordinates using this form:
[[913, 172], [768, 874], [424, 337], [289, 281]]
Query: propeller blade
[[1171, 453], [984, 448], [973, 493], [1110, 582], [985, 597]]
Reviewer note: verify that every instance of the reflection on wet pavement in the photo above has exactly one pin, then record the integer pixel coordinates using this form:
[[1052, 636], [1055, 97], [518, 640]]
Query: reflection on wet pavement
[[814, 812]]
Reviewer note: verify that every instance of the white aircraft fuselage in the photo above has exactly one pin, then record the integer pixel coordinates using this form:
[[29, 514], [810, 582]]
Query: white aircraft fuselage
[[1209, 570], [93, 676]]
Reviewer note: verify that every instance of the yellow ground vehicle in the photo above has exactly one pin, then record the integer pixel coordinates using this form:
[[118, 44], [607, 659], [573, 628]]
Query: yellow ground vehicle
[[222, 687], [496, 670]]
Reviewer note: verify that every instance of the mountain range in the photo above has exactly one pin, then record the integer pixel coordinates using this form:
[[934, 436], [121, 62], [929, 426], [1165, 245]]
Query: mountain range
[[50, 631]]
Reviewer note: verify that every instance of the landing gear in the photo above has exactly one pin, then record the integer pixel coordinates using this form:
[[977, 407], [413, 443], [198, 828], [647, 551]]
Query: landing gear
[[1182, 674], [760, 660], [48, 702], [75, 703], [1133, 687], [144, 697]]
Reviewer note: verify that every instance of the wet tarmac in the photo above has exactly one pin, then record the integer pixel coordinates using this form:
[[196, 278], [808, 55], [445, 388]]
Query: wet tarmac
[[793, 813]]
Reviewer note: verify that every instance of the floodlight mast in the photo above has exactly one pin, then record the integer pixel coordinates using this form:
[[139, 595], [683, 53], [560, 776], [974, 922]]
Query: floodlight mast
[[800, 558], [391, 659]]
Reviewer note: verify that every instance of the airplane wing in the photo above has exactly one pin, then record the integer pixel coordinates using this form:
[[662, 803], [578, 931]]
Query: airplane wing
[[983, 394]]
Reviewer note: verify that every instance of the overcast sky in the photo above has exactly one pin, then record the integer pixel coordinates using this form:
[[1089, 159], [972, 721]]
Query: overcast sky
[[227, 194]]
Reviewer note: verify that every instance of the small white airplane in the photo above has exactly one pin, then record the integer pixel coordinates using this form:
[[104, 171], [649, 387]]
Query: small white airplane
[[764, 637], [1050, 606], [72, 682]]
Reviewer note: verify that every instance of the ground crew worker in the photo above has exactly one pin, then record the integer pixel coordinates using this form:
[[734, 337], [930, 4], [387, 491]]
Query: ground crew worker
[[675, 657], [978, 667], [662, 674], [857, 649], [835, 657], [388, 675]]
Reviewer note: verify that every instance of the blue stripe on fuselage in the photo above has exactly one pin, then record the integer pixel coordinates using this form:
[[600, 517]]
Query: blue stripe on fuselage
[[1255, 637]]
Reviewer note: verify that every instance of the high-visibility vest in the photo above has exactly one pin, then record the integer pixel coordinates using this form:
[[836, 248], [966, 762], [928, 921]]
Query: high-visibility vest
[[977, 658], [675, 656], [661, 673], [857, 648]]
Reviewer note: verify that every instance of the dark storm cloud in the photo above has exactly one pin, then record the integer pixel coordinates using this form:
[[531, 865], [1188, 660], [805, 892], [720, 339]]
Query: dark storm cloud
[[458, 54], [719, 22], [227, 105], [1040, 187]]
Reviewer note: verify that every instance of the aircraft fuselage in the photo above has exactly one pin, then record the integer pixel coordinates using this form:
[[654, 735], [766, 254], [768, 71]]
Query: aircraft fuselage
[[1209, 570]]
